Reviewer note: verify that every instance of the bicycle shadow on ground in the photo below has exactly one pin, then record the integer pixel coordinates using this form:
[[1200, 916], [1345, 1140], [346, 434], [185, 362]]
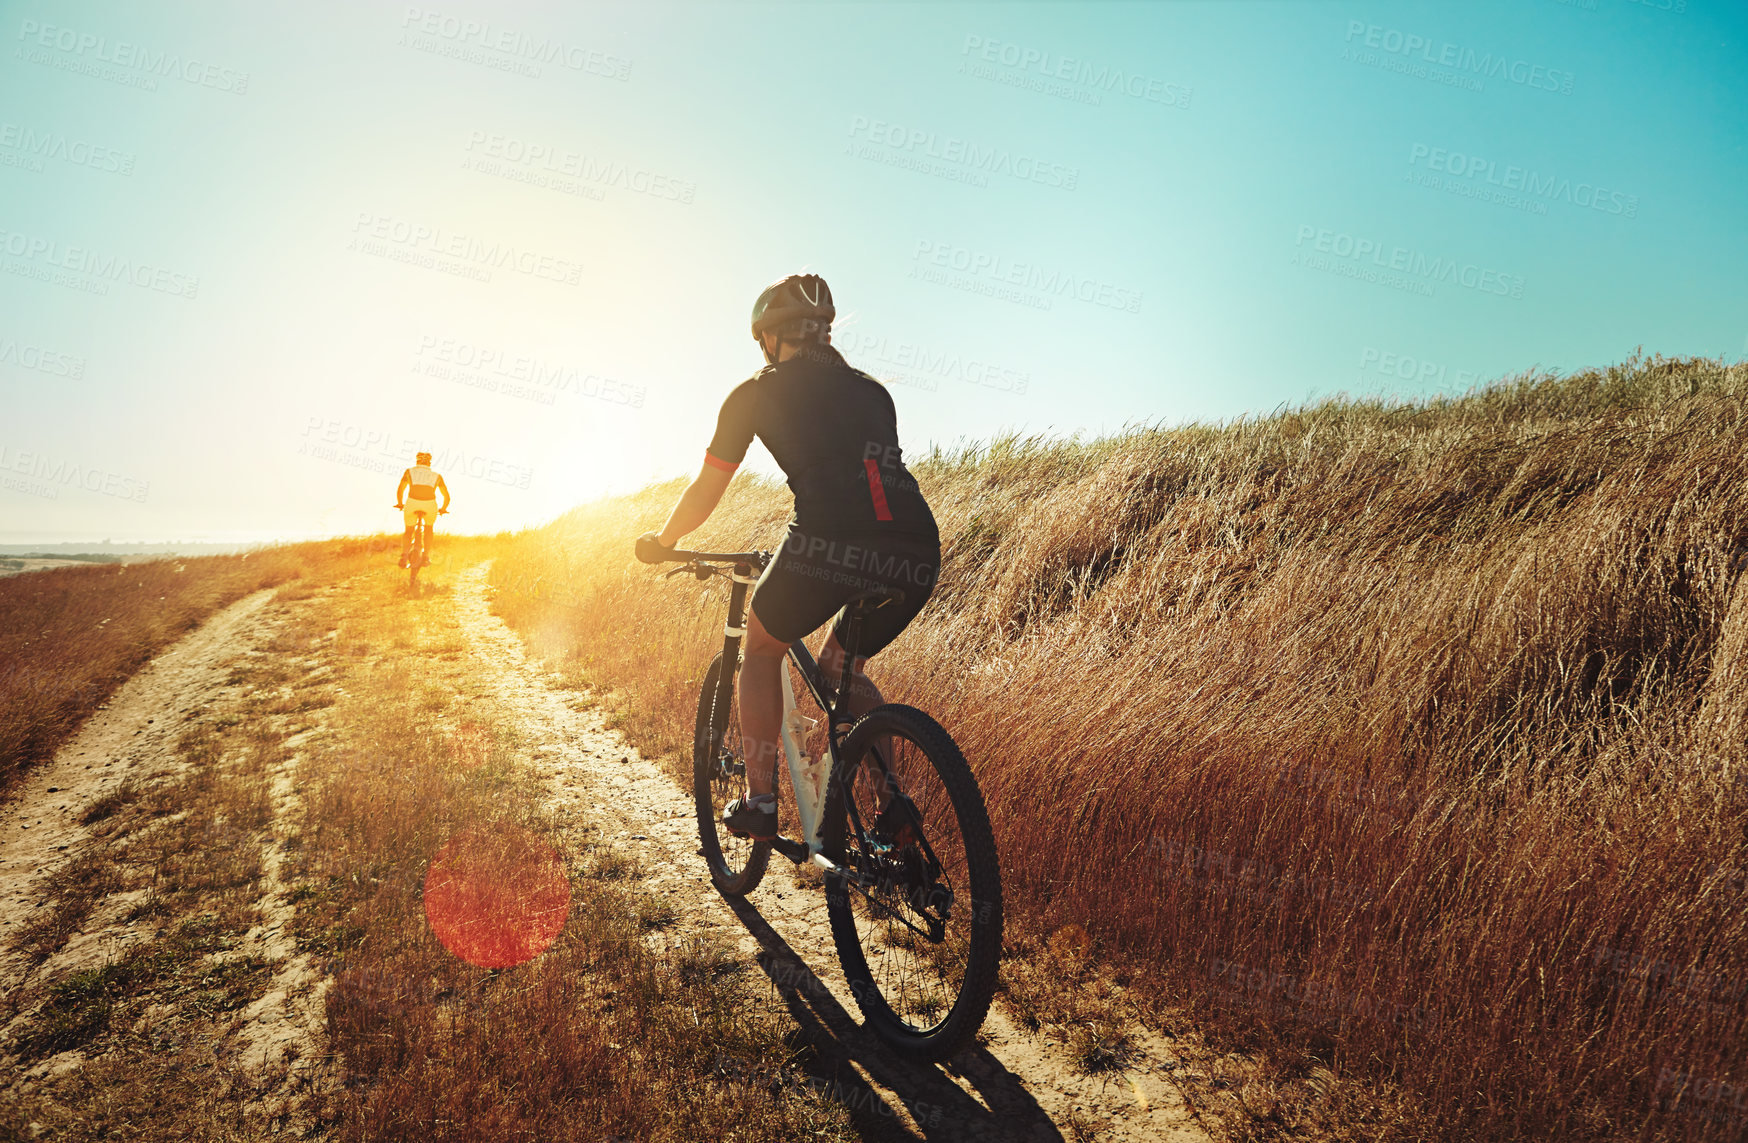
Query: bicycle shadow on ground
[[938, 1106], [427, 589]]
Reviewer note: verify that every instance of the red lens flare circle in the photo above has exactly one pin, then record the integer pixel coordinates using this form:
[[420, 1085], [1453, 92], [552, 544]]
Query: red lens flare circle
[[497, 897]]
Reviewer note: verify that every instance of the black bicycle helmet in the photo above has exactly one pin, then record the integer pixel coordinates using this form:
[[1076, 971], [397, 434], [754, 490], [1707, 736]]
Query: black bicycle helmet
[[797, 298]]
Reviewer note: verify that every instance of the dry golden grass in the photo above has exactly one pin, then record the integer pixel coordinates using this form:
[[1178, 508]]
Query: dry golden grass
[[1402, 740], [607, 1034], [362, 697], [173, 870], [72, 635]]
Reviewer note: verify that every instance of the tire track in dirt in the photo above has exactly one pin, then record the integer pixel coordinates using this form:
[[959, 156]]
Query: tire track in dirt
[[280, 1028], [132, 737], [1016, 1087], [133, 740]]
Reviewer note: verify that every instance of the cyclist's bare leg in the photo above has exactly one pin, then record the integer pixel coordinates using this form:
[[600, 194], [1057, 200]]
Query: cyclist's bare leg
[[761, 697], [761, 704], [864, 695]]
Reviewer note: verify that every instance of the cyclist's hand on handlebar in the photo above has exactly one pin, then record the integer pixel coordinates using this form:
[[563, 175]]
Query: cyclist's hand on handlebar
[[401, 506], [442, 511], [650, 549]]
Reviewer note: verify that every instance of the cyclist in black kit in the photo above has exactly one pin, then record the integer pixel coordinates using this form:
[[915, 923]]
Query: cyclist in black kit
[[860, 521]]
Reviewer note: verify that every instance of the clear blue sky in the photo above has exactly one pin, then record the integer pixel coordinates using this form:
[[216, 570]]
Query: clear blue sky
[[527, 236]]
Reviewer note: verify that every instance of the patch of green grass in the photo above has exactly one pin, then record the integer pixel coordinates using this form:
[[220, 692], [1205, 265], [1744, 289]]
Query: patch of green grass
[[78, 1009], [81, 884], [330, 940], [225, 986]]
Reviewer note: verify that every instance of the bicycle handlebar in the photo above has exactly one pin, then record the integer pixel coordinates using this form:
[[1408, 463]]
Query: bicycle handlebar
[[681, 556]]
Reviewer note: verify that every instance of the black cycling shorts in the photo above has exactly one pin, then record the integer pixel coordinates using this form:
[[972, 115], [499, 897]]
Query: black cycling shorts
[[811, 578]]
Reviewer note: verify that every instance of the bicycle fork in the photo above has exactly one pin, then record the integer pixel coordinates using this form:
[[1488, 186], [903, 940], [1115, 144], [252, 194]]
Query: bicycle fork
[[733, 631]]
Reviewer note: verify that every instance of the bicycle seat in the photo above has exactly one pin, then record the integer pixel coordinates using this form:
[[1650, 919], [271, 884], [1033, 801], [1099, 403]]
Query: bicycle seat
[[865, 601]]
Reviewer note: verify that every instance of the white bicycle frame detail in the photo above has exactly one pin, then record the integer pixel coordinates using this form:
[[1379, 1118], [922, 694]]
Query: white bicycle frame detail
[[807, 776]]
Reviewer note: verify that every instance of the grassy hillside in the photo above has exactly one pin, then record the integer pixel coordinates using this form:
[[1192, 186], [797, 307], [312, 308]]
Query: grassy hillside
[[1403, 739]]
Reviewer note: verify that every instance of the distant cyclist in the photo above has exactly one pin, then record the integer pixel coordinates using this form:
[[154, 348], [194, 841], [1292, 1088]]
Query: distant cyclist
[[417, 492], [860, 521]]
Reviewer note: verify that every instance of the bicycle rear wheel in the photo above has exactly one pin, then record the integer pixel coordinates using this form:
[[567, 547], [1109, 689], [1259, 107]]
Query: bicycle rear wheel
[[920, 936], [719, 775], [416, 556]]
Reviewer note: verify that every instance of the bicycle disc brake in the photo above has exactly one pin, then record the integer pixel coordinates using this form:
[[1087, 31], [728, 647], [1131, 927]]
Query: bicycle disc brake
[[900, 823], [905, 865]]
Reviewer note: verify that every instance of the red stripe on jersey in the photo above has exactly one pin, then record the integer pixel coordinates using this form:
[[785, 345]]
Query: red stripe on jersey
[[877, 490], [715, 461]]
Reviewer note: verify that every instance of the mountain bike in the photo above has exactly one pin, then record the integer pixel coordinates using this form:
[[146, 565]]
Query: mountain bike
[[890, 811], [418, 552]]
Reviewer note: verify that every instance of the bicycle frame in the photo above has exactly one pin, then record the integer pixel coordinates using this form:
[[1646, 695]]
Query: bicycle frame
[[418, 548], [810, 778]]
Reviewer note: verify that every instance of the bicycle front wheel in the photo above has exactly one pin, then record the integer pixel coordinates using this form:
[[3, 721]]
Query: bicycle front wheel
[[719, 775], [919, 930]]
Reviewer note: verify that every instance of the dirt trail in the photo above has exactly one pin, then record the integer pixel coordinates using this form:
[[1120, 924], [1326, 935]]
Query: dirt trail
[[132, 741], [1017, 1088], [130, 737]]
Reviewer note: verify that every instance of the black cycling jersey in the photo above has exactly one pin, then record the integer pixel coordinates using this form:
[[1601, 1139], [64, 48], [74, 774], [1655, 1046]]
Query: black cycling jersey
[[834, 432]]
